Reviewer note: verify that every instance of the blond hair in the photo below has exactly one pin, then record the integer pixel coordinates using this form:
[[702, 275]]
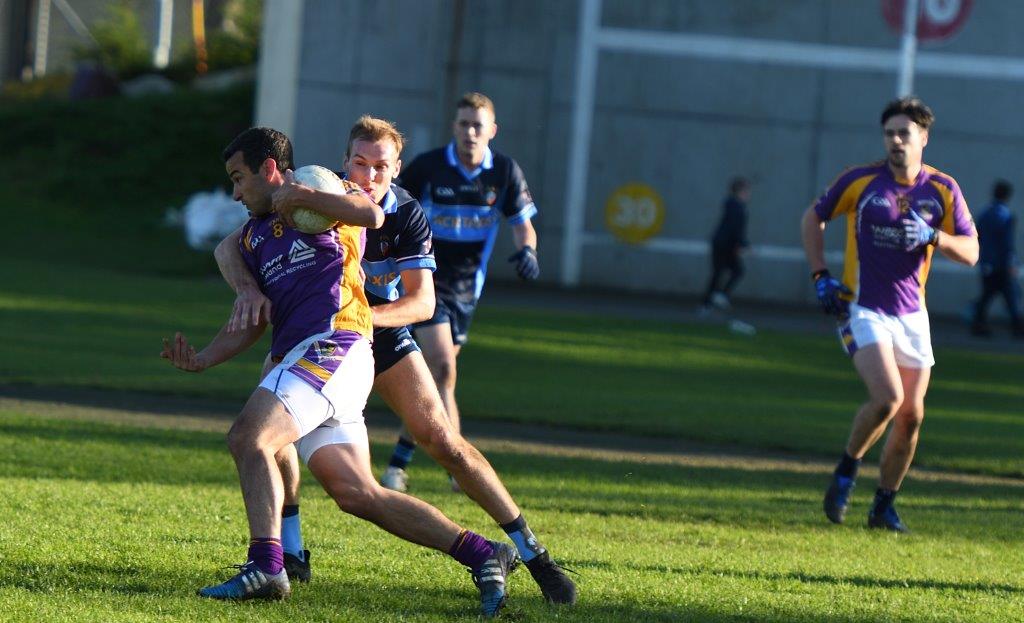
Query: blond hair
[[372, 129], [476, 101]]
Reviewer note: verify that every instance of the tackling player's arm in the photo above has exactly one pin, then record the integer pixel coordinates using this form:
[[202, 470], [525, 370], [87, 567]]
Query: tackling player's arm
[[415, 304], [225, 345], [352, 208], [250, 303]]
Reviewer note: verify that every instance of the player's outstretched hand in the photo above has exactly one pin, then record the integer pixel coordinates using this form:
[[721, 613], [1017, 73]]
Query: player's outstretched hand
[[284, 198], [918, 232], [828, 289], [526, 263], [250, 305], [182, 355]]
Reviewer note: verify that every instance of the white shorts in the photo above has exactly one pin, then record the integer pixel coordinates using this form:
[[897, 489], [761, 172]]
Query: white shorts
[[333, 412], [909, 335]]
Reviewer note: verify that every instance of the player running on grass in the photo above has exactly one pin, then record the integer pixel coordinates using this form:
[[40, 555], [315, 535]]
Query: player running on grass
[[465, 189], [898, 212], [316, 393], [398, 262]]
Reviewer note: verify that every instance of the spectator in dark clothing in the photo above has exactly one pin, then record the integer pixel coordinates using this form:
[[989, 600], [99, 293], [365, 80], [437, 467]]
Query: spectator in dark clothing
[[996, 229], [727, 245]]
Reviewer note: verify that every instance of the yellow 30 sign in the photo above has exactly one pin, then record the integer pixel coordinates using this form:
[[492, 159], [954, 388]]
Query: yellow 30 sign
[[634, 212]]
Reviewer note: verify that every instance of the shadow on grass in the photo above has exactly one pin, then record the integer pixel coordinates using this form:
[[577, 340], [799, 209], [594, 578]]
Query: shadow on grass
[[872, 582], [76, 577]]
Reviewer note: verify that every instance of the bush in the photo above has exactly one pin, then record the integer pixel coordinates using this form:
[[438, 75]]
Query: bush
[[50, 86], [121, 44], [94, 178]]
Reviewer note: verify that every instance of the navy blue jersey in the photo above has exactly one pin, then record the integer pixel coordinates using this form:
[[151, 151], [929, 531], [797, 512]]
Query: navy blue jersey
[[995, 233], [464, 209], [402, 243], [732, 229]]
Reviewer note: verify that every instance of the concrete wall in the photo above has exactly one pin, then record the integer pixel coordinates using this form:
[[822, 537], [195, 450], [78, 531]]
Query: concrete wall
[[683, 125]]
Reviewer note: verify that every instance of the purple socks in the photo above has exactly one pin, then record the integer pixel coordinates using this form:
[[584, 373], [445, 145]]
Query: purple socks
[[267, 554], [471, 549]]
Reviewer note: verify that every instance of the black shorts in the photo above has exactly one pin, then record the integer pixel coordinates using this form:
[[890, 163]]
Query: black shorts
[[390, 346], [458, 316]]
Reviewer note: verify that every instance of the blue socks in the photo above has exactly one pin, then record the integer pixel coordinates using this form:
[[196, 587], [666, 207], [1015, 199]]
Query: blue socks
[[402, 454], [520, 533], [291, 530]]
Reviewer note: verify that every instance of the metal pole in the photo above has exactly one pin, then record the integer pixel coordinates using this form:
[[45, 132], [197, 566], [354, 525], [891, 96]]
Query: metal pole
[[42, 42], [579, 156], [162, 51], [908, 48]]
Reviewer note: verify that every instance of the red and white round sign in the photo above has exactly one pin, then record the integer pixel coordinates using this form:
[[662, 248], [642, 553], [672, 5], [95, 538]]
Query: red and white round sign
[[936, 19]]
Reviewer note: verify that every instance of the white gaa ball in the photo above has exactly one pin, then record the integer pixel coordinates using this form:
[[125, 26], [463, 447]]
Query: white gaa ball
[[320, 178]]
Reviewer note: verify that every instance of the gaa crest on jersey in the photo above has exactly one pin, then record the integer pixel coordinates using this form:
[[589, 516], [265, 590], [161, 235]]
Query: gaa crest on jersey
[[903, 203], [490, 195]]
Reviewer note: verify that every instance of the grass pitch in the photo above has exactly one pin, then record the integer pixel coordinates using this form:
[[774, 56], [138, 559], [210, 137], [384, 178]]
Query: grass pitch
[[777, 392], [119, 515]]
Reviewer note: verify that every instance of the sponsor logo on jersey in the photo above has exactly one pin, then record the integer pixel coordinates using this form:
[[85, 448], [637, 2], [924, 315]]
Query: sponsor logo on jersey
[[464, 222], [300, 252], [888, 237], [270, 266], [382, 279], [385, 246]]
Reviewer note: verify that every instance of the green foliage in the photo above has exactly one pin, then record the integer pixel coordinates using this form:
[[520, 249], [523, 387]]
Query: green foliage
[[237, 43], [121, 43], [102, 174], [50, 86]]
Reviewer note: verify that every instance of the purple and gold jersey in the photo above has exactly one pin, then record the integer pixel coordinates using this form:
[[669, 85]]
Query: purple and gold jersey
[[313, 281], [882, 274]]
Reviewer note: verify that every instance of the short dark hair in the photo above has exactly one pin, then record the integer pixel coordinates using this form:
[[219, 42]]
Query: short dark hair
[[738, 184], [1002, 190], [912, 107], [258, 144]]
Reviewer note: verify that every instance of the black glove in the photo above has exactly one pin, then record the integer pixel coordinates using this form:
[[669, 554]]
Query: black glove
[[526, 263], [828, 289]]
